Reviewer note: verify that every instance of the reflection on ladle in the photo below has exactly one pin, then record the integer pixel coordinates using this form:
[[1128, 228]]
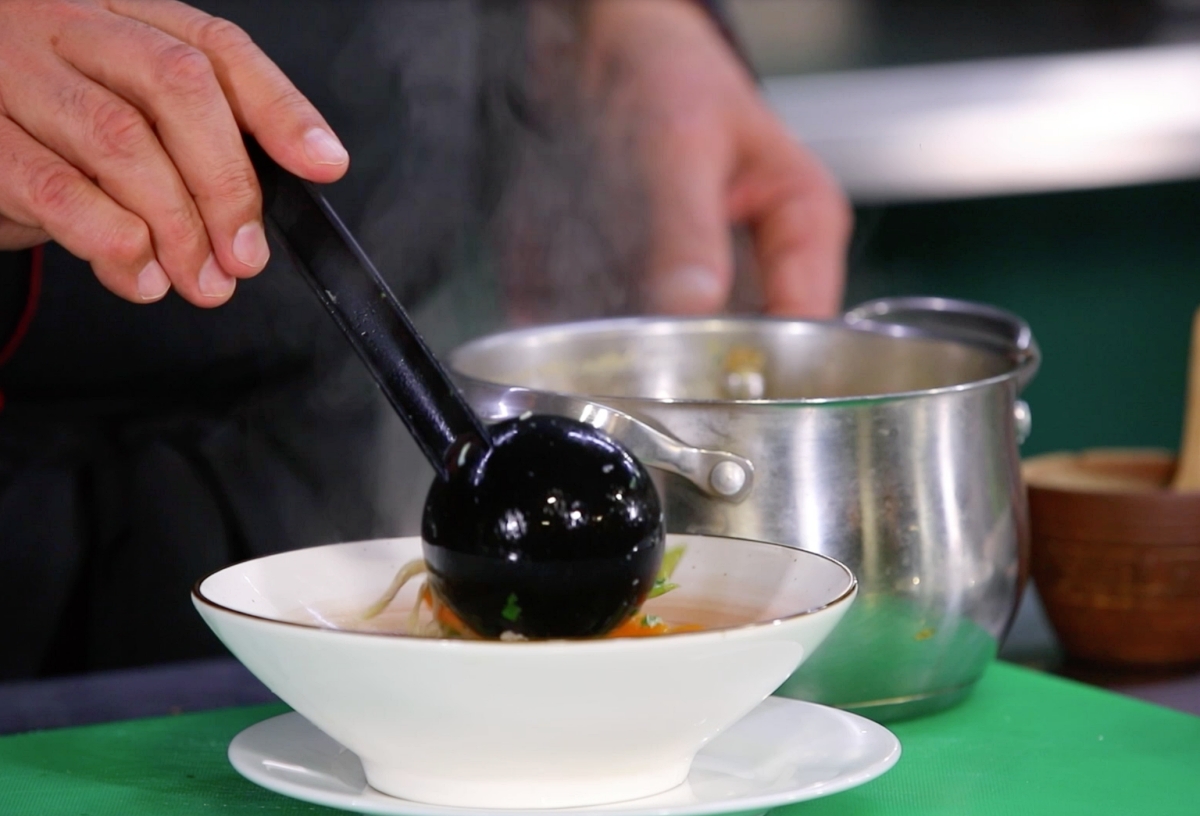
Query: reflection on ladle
[[539, 526]]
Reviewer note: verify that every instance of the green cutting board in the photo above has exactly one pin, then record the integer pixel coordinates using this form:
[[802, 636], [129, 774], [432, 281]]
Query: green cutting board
[[1025, 743]]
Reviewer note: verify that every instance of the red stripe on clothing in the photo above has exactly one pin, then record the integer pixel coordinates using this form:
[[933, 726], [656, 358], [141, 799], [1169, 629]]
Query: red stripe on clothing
[[31, 303]]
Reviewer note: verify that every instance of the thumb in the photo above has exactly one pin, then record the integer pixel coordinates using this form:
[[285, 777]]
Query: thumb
[[690, 268]]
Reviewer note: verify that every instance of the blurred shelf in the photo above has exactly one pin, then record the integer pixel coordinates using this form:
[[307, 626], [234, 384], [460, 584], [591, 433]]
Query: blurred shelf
[[1007, 126]]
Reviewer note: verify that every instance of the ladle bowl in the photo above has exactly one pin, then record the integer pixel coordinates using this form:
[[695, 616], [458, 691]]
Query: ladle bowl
[[557, 532]]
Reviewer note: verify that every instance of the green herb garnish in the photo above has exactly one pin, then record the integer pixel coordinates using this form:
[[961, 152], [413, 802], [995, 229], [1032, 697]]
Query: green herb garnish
[[662, 582], [511, 611]]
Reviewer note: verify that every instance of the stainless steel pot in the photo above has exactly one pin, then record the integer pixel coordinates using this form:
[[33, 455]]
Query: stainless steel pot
[[887, 440]]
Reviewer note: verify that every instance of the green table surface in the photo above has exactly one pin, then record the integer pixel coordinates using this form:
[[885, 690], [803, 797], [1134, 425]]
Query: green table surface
[[1024, 743]]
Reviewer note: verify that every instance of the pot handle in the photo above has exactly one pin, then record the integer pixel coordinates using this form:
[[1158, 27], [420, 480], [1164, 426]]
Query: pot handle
[[965, 321], [719, 474]]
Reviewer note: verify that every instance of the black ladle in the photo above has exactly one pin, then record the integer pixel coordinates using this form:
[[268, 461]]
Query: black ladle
[[539, 526]]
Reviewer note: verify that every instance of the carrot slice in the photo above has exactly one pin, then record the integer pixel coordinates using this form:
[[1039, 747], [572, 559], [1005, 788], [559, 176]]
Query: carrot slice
[[647, 626]]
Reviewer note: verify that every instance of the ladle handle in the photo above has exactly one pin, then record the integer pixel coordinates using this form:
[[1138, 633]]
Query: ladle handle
[[359, 300]]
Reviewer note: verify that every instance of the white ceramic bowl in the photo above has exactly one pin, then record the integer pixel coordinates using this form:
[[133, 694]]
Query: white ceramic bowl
[[525, 724]]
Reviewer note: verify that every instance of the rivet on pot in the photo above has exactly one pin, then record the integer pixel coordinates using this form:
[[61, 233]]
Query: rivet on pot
[[1024, 420], [727, 478]]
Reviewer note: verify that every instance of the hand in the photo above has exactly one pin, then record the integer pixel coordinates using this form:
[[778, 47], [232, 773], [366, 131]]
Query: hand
[[713, 154], [120, 138]]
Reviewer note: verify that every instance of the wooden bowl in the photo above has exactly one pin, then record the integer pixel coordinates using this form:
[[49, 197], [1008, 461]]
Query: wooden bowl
[[1116, 556]]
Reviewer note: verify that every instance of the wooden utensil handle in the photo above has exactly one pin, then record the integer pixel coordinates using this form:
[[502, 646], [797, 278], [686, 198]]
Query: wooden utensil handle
[[1187, 472]]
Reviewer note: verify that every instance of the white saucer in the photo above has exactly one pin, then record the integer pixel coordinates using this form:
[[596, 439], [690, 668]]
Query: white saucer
[[782, 752]]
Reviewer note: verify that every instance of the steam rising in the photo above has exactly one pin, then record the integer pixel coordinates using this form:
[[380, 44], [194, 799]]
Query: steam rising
[[498, 187]]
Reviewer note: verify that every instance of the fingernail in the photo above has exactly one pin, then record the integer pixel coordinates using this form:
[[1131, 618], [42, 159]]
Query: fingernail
[[250, 245], [324, 148], [152, 282], [214, 282], [687, 289]]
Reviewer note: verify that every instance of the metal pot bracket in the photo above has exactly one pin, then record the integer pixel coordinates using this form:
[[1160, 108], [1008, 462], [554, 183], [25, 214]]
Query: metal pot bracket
[[719, 474]]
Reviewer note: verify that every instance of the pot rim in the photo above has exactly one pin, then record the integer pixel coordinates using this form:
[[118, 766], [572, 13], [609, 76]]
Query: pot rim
[[1020, 363]]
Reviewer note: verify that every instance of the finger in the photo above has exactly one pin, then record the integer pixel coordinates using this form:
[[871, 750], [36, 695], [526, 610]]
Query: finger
[[801, 223], [14, 236], [174, 84], [263, 100], [42, 191], [691, 255], [111, 142]]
